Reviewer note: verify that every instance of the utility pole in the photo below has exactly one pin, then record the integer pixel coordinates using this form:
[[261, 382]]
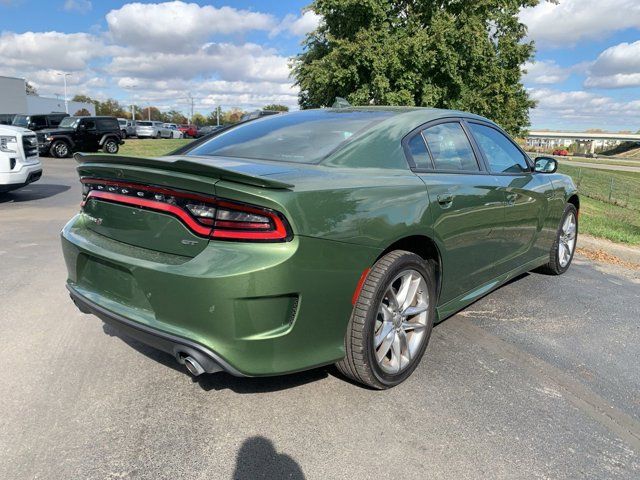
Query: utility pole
[[191, 101], [149, 112], [133, 113], [218, 115], [64, 76]]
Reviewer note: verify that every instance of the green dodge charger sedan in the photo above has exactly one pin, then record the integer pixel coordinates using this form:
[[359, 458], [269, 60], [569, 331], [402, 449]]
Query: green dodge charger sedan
[[315, 237]]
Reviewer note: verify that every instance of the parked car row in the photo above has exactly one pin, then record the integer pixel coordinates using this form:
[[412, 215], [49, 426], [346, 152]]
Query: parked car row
[[127, 127], [23, 138]]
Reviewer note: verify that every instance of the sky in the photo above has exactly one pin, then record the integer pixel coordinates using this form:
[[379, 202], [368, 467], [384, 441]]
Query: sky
[[235, 53]]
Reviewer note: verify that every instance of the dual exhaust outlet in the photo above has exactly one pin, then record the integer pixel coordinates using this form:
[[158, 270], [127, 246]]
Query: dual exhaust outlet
[[193, 366]]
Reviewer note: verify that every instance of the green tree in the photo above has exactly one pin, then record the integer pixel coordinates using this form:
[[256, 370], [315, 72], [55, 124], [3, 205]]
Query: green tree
[[111, 108], [231, 116], [274, 107], [83, 99], [465, 55], [212, 118], [173, 116], [30, 89], [153, 112], [199, 119], [83, 112]]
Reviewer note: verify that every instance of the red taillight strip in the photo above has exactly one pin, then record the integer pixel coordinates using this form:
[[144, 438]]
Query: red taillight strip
[[226, 231], [153, 205]]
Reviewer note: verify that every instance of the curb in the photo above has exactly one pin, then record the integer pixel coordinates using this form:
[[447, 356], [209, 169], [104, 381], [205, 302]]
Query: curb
[[609, 252]]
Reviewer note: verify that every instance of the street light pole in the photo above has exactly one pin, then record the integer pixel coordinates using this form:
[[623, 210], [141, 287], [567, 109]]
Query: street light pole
[[66, 102], [191, 101]]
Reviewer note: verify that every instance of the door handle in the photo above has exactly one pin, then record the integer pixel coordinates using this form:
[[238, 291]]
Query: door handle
[[445, 199], [511, 198]]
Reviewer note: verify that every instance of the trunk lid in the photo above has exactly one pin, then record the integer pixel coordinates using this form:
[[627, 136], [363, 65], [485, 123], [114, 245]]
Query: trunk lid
[[145, 201]]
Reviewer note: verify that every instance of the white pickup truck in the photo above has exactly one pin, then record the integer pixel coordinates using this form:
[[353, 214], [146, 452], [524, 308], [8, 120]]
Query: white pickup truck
[[19, 161]]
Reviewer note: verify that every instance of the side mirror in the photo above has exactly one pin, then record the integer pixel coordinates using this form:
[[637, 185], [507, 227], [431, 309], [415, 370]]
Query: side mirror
[[82, 126], [546, 165], [31, 126]]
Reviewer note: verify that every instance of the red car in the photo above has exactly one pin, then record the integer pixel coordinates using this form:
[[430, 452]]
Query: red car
[[562, 153], [188, 130]]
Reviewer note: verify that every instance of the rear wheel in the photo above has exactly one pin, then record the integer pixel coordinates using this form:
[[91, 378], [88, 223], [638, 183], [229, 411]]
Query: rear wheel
[[158, 135], [124, 134], [60, 149], [391, 322], [110, 146], [562, 250]]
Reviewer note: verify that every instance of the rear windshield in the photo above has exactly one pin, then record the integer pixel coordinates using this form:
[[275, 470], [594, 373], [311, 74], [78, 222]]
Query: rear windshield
[[144, 124], [300, 137]]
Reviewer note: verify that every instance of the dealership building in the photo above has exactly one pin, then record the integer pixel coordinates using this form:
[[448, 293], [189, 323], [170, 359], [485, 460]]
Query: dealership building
[[14, 100]]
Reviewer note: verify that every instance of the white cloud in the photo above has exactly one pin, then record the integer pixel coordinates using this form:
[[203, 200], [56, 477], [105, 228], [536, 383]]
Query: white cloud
[[545, 72], [37, 50], [570, 21], [79, 6], [225, 60], [298, 25], [580, 109], [155, 53], [179, 26], [616, 67], [207, 95]]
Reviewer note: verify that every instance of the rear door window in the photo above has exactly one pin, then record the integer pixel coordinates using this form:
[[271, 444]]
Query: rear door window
[[450, 148], [89, 124], [107, 124]]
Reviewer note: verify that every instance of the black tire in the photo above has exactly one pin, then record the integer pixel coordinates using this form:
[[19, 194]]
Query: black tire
[[60, 149], [554, 267], [158, 136], [124, 134], [360, 363], [110, 146]]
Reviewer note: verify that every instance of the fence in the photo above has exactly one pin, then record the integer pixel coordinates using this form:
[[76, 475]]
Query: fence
[[617, 188]]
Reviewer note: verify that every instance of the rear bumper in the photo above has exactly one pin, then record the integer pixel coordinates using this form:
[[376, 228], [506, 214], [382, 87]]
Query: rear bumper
[[172, 344], [146, 133], [254, 309]]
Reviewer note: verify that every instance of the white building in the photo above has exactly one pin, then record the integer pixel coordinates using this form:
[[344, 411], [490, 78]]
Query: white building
[[548, 142], [14, 99]]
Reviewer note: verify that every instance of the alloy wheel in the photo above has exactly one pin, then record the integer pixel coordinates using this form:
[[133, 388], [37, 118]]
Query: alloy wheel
[[62, 150], [567, 241], [401, 322]]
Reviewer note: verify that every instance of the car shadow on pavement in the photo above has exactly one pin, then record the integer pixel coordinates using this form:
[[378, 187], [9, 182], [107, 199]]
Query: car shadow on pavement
[[33, 192], [223, 380], [258, 458]]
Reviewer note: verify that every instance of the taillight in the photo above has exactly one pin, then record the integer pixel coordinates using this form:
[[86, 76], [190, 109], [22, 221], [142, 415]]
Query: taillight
[[204, 215]]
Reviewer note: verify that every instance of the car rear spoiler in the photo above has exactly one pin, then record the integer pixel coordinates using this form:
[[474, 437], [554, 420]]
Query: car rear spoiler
[[183, 165]]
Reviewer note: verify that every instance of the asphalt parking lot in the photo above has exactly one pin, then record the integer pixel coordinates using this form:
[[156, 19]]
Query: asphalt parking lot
[[540, 379]]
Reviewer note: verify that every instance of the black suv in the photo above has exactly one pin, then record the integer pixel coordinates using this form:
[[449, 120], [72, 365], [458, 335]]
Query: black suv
[[81, 134], [39, 122]]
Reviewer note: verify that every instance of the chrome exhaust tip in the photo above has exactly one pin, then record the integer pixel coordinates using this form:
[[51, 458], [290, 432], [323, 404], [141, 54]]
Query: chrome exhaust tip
[[193, 366]]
